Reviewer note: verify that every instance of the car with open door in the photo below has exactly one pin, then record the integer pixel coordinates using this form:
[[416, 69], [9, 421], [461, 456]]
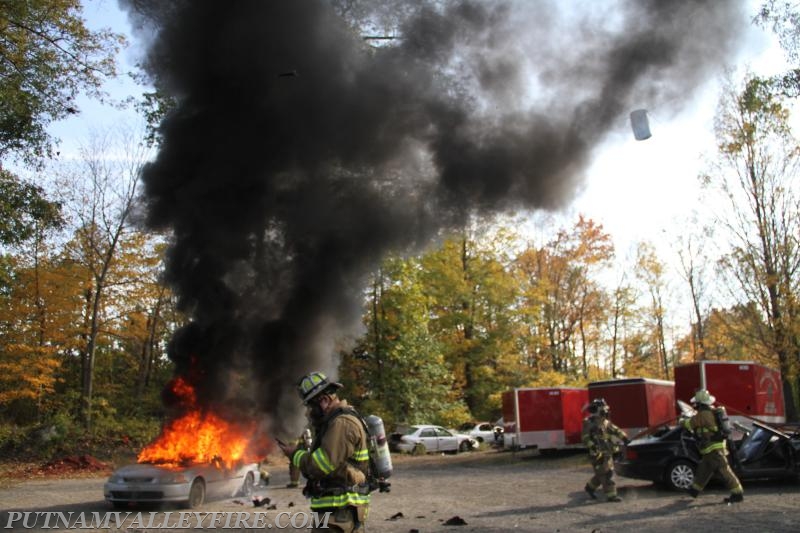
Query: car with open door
[[669, 454]]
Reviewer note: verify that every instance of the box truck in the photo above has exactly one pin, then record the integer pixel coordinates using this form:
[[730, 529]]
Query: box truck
[[637, 403], [746, 389], [549, 418]]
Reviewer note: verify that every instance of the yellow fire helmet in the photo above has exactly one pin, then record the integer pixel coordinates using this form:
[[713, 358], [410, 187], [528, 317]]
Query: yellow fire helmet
[[313, 384]]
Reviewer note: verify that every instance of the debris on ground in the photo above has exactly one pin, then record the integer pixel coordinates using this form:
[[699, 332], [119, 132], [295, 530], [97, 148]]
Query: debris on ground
[[261, 501], [75, 463], [395, 516], [455, 521]]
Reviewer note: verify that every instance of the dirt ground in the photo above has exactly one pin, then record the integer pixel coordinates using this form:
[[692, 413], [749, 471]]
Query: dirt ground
[[488, 491]]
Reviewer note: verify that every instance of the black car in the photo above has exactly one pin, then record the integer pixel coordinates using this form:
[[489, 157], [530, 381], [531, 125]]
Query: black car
[[670, 455]]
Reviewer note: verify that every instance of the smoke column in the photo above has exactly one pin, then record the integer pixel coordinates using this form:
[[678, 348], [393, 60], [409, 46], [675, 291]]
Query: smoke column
[[300, 153]]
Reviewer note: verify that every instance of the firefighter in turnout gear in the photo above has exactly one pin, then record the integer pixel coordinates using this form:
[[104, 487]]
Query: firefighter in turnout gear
[[707, 425], [337, 463], [600, 436]]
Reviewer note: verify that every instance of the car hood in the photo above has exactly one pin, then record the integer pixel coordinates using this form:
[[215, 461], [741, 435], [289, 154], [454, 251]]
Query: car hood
[[143, 470]]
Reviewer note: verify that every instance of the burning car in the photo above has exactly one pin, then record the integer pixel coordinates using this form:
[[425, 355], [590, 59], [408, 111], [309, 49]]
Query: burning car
[[190, 486], [669, 454], [198, 456]]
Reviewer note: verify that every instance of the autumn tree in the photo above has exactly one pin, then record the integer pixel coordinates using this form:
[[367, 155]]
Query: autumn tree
[[100, 191], [558, 285], [47, 58], [473, 301], [650, 271], [756, 181], [621, 314], [693, 269]]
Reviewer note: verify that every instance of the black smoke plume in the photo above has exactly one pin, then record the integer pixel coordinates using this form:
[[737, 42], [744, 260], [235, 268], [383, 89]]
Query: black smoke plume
[[299, 153]]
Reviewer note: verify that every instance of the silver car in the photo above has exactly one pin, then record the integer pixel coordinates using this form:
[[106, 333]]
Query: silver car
[[189, 486], [421, 439]]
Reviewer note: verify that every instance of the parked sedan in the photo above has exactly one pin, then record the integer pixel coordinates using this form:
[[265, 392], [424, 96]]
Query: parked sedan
[[189, 486], [481, 431], [421, 439], [670, 455]]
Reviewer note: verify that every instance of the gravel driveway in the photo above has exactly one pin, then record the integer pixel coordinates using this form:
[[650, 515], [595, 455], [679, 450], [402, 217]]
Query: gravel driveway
[[488, 491]]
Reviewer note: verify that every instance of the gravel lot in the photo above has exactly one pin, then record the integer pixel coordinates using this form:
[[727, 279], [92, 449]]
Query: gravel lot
[[488, 490]]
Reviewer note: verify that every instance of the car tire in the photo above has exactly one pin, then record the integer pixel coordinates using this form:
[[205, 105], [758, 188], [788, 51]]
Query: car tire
[[197, 494], [248, 487], [119, 505], [680, 475], [419, 449], [465, 446]]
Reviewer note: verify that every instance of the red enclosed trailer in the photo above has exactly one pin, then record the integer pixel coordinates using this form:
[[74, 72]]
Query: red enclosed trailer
[[745, 388], [548, 418], [637, 403]]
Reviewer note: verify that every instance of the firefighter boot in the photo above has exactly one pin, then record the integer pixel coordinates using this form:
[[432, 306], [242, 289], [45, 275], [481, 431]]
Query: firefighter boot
[[735, 497], [693, 492], [613, 498], [590, 491]]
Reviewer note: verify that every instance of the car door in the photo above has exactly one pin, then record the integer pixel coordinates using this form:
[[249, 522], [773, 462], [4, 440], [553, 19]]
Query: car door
[[428, 438], [447, 441]]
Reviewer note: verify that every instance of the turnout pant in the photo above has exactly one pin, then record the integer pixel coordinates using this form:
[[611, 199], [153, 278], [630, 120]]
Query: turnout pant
[[604, 475], [715, 462], [346, 520]]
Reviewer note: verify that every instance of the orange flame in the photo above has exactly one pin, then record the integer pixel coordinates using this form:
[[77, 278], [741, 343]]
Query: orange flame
[[199, 436]]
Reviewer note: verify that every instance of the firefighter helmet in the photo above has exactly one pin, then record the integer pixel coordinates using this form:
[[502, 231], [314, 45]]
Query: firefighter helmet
[[703, 397], [598, 406], [313, 384]]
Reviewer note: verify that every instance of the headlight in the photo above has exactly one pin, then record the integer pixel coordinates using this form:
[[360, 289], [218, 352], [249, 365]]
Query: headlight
[[175, 477], [116, 479]]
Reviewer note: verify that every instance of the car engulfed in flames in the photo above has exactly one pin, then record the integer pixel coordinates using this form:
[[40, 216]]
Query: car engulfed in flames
[[198, 456]]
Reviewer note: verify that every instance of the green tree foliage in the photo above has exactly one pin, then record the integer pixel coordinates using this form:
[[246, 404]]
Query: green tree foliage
[[399, 370], [47, 58], [474, 296], [24, 209]]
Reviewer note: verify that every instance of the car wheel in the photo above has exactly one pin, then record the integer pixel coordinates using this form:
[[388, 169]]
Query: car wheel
[[248, 485], [419, 449], [680, 475], [119, 505], [197, 494], [465, 446]]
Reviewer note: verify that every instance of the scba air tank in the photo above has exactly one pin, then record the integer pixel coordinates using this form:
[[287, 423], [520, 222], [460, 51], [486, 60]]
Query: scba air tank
[[380, 448]]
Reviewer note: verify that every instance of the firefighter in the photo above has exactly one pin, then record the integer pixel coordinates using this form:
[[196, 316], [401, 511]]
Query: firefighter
[[599, 435], [337, 463], [711, 440], [303, 442]]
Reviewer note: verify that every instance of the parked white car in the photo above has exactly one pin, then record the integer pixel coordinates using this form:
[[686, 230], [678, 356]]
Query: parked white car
[[424, 438], [481, 431]]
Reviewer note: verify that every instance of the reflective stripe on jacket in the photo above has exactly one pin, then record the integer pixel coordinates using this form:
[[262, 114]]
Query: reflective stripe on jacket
[[342, 447], [704, 426]]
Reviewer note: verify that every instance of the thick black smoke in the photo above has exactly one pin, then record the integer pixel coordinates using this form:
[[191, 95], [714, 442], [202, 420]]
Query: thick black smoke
[[300, 153]]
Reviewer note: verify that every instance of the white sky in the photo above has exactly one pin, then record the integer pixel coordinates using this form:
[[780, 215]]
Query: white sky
[[638, 190]]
